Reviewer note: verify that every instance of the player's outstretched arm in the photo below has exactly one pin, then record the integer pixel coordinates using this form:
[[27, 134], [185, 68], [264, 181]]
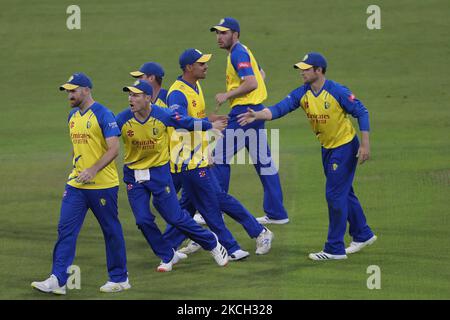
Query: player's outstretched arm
[[219, 125], [251, 115], [213, 117], [172, 118]]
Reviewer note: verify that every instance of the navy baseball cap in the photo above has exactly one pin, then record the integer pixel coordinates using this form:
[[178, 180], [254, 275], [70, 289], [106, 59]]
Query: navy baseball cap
[[77, 80], [312, 59], [149, 68], [225, 24], [140, 86], [191, 56]]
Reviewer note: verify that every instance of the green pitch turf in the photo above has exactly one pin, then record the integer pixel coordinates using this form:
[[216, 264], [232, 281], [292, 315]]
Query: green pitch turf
[[400, 72]]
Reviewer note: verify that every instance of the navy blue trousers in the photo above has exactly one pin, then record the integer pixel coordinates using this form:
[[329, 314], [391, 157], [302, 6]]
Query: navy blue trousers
[[75, 204], [209, 196], [339, 166], [166, 202], [202, 189], [259, 151]]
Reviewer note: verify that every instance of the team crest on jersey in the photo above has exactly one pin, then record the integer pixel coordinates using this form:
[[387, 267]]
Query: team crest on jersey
[[155, 131], [167, 189], [72, 124], [202, 173], [103, 201], [130, 133], [306, 104], [88, 124], [335, 166], [194, 103], [327, 105], [129, 186]]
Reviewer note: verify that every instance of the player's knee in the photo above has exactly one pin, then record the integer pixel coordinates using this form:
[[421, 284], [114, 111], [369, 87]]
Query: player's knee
[[66, 228], [334, 200], [142, 222], [176, 219]]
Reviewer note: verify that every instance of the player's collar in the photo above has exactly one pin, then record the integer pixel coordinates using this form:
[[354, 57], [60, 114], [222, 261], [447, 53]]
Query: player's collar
[[195, 88]]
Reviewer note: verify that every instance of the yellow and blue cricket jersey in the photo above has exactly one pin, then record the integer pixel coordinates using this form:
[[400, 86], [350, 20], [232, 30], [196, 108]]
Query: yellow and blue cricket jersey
[[161, 99], [147, 142], [327, 112], [189, 150], [242, 63], [88, 132]]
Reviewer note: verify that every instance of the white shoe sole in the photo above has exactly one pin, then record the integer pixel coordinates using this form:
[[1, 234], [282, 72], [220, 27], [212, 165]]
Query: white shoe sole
[[264, 220], [59, 292], [199, 219], [326, 257], [362, 246], [116, 289], [230, 258], [177, 257], [189, 249]]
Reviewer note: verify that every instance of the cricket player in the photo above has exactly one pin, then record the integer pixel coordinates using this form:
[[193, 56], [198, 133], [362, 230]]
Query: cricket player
[[147, 172], [246, 89], [327, 105], [153, 73], [190, 165], [92, 184]]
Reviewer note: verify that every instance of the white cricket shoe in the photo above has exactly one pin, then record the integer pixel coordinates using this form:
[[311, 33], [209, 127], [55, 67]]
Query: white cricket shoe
[[50, 285], [166, 267], [321, 256], [190, 248], [267, 220], [110, 286], [264, 241], [199, 219], [220, 254], [238, 255], [357, 246]]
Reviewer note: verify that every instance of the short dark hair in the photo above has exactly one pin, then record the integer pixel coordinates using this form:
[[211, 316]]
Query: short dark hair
[[158, 80], [324, 70]]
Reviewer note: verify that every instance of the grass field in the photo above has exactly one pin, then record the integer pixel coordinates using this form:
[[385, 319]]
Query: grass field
[[400, 72]]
